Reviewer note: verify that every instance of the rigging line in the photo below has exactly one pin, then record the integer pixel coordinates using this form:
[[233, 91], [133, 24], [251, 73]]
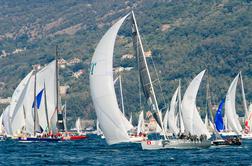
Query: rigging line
[[155, 70], [139, 79]]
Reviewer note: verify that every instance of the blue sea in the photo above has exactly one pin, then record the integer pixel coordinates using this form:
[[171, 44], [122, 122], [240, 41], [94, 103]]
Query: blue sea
[[95, 151]]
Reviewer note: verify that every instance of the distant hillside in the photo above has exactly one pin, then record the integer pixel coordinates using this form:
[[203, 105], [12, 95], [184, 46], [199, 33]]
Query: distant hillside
[[184, 38]]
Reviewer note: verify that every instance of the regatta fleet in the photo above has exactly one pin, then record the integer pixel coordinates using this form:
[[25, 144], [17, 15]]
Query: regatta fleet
[[36, 113]]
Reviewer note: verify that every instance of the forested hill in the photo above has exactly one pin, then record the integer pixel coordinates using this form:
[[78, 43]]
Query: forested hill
[[184, 37]]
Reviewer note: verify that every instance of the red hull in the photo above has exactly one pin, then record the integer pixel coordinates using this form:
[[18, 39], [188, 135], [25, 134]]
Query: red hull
[[78, 137]]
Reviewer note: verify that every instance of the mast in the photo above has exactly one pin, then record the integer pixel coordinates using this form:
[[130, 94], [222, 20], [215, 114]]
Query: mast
[[121, 93], [179, 107], [46, 109], [35, 101], [244, 97], [60, 124], [65, 118], [144, 70]]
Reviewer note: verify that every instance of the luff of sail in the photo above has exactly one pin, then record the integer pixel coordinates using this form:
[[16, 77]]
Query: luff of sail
[[230, 111], [112, 122], [191, 117]]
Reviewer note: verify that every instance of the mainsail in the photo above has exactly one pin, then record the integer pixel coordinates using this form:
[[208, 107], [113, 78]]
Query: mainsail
[[112, 121], [191, 117], [144, 73], [230, 112]]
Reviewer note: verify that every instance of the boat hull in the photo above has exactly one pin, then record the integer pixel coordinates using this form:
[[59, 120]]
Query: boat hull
[[30, 139], [77, 137], [225, 142], [229, 134], [136, 139], [174, 144], [247, 136]]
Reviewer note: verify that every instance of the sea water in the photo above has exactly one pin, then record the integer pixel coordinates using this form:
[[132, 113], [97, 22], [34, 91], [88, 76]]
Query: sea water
[[95, 151]]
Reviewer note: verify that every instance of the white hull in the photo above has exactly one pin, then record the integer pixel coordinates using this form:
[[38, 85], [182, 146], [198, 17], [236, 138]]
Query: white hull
[[246, 136], [228, 134], [174, 144], [136, 139]]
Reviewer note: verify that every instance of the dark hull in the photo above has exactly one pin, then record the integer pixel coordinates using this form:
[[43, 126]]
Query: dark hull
[[39, 139], [225, 142]]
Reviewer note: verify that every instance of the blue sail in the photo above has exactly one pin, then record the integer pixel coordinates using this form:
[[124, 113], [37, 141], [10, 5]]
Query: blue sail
[[38, 98], [218, 117]]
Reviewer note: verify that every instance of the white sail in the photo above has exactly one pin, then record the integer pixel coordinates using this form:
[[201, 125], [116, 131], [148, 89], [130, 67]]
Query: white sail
[[206, 121], [44, 76], [6, 120], [16, 105], [140, 125], [165, 121], [130, 120], [230, 112], [225, 123], [112, 122], [179, 120], [191, 117], [78, 125], [244, 98], [98, 130], [47, 76], [171, 118]]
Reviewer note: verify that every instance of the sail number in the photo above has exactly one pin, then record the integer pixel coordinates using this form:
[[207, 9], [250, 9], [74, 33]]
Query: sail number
[[92, 66]]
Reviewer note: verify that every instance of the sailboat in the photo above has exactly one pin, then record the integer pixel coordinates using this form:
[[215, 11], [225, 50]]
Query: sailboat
[[232, 126], [113, 123], [219, 127], [247, 134], [193, 124], [36, 130]]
